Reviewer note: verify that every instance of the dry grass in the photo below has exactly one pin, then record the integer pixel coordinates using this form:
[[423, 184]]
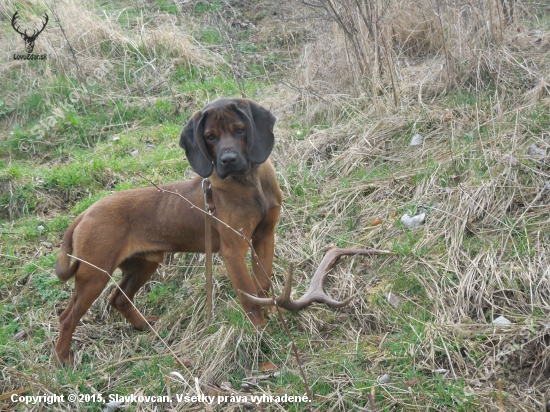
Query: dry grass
[[482, 253], [145, 49], [413, 57], [343, 160]]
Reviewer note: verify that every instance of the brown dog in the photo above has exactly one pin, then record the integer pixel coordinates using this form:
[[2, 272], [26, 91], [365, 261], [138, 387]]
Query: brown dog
[[228, 140]]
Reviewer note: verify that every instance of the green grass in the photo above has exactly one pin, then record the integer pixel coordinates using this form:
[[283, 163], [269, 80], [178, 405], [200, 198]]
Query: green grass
[[202, 7], [168, 6], [99, 145], [91, 166]]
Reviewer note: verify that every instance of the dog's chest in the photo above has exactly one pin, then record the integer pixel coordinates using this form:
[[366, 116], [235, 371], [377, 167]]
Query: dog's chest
[[244, 203]]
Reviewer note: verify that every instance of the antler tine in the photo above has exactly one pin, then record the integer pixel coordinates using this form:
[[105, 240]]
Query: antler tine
[[315, 292], [281, 298], [43, 25], [13, 22], [35, 32]]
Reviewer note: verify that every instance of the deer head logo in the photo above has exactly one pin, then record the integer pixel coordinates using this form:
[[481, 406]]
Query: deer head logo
[[29, 40]]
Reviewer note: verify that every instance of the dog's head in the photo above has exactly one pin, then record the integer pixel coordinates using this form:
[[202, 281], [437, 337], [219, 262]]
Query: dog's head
[[231, 135]]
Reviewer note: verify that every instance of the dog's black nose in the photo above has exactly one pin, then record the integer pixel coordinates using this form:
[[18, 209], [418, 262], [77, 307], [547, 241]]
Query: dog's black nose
[[228, 158]]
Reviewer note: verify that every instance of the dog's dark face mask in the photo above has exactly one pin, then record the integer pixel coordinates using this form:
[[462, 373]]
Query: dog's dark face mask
[[224, 134], [232, 135]]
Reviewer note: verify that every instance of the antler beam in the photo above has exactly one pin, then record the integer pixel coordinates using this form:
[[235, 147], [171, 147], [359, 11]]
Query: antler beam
[[13, 24], [315, 292], [43, 26]]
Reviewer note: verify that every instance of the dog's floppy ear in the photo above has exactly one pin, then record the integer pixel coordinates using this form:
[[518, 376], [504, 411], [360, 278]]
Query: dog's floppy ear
[[192, 141], [259, 130]]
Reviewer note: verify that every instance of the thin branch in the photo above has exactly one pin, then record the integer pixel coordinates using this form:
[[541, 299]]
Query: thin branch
[[389, 60], [140, 314], [282, 319], [71, 48], [447, 56], [229, 47], [253, 252], [193, 206]]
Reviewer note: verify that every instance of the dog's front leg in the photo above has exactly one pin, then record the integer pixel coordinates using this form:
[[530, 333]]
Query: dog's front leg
[[263, 241], [233, 251]]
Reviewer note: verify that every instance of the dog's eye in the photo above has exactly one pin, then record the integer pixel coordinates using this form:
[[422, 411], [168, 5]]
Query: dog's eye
[[240, 131], [210, 137]]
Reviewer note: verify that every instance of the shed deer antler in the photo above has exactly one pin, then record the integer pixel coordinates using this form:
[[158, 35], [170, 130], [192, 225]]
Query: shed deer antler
[[29, 40], [315, 293]]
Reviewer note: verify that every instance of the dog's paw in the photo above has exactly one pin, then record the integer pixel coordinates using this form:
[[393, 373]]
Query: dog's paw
[[65, 361], [141, 324]]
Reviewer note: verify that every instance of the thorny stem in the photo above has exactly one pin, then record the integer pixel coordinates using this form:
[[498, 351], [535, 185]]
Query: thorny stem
[[253, 251], [389, 60], [193, 206], [228, 43], [447, 58], [294, 348], [71, 48], [144, 318], [371, 399]]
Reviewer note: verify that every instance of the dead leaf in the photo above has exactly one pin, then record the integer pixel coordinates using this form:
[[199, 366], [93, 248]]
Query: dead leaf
[[20, 335], [341, 318], [226, 386], [9, 394], [213, 391], [376, 222], [267, 366], [536, 151], [393, 300], [412, 382], [384, 379], [502, 321], [112, 406]]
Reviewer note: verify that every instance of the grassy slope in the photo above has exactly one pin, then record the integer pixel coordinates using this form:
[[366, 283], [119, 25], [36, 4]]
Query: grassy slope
[[480, 255]]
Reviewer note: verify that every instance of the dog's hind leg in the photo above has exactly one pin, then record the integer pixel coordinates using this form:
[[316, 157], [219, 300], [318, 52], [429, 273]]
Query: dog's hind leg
[[89, 283], [135, 272]]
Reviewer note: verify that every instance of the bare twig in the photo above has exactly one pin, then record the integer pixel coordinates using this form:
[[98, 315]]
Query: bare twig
[[371, 397], [389, 60], [447, 58], [500, 405], [140, 314], [253, 252], [282, 319], [233, 52], [71, 48]]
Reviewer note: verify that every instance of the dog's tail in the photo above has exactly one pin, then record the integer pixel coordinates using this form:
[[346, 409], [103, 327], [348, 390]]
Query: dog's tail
[[63, 268]]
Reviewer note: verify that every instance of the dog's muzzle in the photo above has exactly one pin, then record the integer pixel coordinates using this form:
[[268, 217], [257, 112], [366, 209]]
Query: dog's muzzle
[[230, 162]]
